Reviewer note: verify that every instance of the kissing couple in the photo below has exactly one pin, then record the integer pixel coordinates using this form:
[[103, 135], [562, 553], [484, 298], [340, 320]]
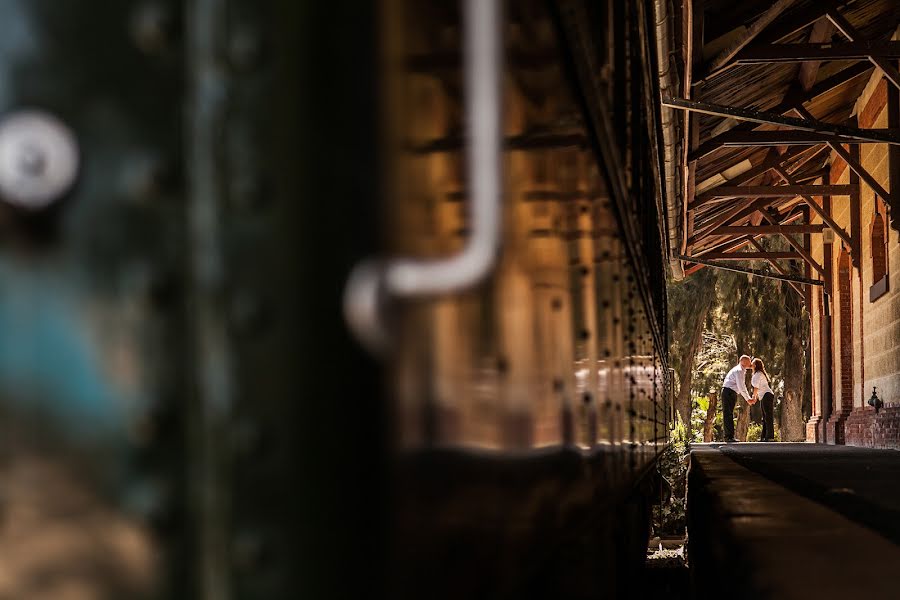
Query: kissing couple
[[735, 384]]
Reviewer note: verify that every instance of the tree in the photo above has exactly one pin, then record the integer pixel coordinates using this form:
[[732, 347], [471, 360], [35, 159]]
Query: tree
[[690, 302], [792, 424], [717, 315]]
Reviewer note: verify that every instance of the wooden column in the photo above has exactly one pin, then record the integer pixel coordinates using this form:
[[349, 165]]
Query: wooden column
[[855, 214], [893, 115]]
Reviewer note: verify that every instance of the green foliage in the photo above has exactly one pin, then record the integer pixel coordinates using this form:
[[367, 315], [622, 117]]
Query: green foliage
[[749, 316], [754, 432], [703, 403], [679, 436], [669, 515]]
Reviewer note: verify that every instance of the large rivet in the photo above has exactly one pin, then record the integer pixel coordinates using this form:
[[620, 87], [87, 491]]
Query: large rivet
[[39, 159]]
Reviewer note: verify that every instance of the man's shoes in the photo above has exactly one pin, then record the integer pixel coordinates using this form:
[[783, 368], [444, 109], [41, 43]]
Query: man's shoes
[[730, 441]]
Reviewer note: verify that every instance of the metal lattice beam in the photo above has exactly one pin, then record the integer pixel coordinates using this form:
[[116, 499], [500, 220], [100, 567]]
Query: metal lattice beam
[[853, 134], [757, 272]]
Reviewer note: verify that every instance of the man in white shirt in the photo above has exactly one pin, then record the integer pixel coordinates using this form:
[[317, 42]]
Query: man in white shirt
[[733, 385]]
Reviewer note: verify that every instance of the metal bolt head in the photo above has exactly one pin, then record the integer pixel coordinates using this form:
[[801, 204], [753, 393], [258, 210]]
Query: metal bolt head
[[39, 159]]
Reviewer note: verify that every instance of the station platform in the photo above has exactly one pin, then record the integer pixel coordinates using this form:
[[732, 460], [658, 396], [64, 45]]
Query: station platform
[[792, 521]]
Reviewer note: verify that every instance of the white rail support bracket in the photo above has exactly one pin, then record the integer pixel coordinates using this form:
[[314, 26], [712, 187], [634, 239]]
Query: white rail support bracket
[[374, 285]]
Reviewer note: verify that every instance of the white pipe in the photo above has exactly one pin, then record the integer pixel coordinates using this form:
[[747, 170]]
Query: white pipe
[[666, 85], [372, 285]]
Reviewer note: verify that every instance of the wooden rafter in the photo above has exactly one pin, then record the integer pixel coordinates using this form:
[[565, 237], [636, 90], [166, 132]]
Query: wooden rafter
[[857, 168], [821, 32]]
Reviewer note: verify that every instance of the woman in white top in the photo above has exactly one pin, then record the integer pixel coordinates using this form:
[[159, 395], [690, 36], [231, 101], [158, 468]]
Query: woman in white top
[[761, 390]]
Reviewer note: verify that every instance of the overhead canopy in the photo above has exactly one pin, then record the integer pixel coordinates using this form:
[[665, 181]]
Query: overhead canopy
[[773, 88]]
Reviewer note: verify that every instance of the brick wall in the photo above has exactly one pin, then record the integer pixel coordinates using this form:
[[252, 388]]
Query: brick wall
[[866, 428], [867, 340], [845, 319]]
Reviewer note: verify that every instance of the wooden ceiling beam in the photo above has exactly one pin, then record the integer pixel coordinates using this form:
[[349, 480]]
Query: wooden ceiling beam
[[821, 32], [732, 243]]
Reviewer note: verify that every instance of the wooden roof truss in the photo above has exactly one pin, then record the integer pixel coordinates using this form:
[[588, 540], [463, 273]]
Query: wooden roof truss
[[756, 170]]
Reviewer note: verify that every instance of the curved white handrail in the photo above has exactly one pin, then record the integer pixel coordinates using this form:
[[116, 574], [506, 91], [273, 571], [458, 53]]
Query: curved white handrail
[[373, 284]]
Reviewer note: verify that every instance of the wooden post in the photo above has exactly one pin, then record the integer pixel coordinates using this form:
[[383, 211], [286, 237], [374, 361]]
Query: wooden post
[[710, 417]]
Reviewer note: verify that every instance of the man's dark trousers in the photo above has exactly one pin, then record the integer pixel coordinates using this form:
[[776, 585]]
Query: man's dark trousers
[[768, 406], [729, 399]]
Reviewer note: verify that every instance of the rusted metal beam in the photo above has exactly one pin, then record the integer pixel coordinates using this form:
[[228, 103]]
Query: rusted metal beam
[[788, 53], [757, 272], [767, 229], [771, 118], [774, 191], [762, 255]]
